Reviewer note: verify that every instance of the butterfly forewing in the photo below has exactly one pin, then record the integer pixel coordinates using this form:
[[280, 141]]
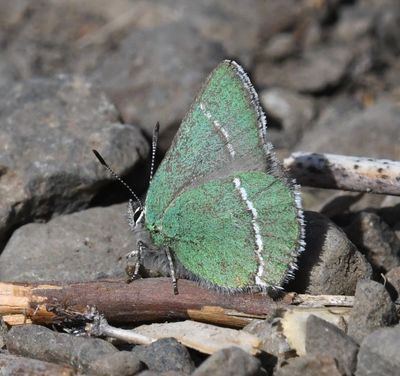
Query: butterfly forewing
[[219, 135]]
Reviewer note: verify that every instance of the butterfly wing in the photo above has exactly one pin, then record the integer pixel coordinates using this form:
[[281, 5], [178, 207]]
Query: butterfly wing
[[236, 232], [222, 136], [223, 132]]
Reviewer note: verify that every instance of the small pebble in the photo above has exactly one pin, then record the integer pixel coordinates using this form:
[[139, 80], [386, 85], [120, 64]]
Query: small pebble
[[270, 332], [12, 365], [230, 361], [310, 365], [372, 309], [376, 240], [322, 337], [330, 263], [393, 282], [379, 353], [41, 343], [122, 363], [166, 354]]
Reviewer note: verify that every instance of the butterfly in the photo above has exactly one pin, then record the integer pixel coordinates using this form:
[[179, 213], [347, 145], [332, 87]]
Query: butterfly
[[220, 209]]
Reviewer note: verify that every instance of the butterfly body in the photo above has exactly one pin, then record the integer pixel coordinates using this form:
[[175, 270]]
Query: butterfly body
[[220, 201]]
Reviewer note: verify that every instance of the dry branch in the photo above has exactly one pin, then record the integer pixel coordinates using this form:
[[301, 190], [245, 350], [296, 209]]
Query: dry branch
[[345, 172], [145, 300], [202, 337]]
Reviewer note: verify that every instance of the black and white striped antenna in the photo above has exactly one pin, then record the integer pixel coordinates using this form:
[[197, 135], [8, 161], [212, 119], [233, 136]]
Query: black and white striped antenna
[[156, 131], [116, 176]]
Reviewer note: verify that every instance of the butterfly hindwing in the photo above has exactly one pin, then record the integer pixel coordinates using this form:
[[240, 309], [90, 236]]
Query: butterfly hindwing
[[234, 232]]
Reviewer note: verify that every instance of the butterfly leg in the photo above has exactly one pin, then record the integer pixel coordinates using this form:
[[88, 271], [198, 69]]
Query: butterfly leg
[[132, 269], [144, 255], [172, 270]]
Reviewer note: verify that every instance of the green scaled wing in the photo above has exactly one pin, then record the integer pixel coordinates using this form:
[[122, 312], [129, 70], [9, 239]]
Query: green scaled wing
[[194, 206], [213, 232]]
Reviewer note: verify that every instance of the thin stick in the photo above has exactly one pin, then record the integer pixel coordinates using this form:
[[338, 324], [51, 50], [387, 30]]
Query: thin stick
[[345, 172], [100, 327], [144, 300], [316, 301]]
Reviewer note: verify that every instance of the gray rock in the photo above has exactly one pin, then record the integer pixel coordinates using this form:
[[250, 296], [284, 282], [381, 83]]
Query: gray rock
[[73, 37], [149, 373], [379, 353], [218, 21], [17, 365], [340, 202], [393, 281], [279, 46], [355, 23], [376, 240], [272, 339], [334, 203], [322, 70], [389, 211], [12, 13], [230, 361], [164, 355], [48, 128], [389, 204], [310, 365], [84, 246], [41, 343], [3, 333], [48, 36], [293, 112], [8, 73], [122, 363], [313, 35], [392, 79], [318, 70], [372, 310], [387, 27], [325, 338], [330, 264], [155, 74], [344, 128], [281, 16], [153, 373]]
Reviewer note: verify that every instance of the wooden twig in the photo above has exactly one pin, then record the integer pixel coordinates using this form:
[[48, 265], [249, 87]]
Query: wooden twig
[[202, 337], [317, 301], [99, 327], [345, 172], [145, 300]]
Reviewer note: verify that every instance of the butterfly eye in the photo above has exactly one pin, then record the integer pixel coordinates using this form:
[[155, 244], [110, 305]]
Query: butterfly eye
[[137, 216]]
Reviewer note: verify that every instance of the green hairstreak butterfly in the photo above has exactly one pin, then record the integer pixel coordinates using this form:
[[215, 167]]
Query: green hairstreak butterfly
[[220, 209]]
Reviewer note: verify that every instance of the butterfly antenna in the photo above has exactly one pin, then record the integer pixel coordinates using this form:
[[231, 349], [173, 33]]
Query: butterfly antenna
[[116, 176], [156, 132]]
